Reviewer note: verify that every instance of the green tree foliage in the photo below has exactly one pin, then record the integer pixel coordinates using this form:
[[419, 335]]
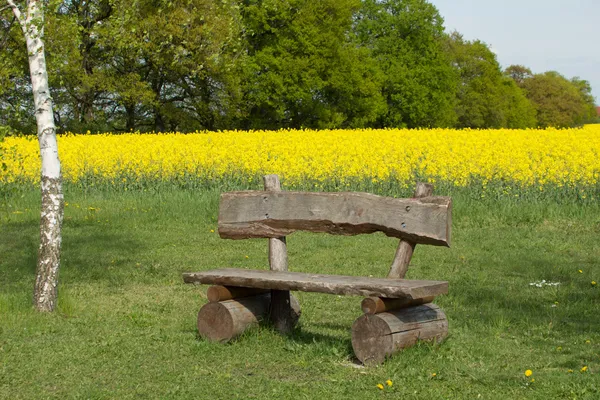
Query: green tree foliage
[[80, 78], [518, 112], [304, 69], [405, 37], [185, 65], [559, 102], [585, 89], [180, 56], [518, 73], [16, 102], [146, 64], [486, 98]]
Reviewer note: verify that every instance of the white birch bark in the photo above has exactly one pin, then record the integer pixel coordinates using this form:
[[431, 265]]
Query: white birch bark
[[46, 282]]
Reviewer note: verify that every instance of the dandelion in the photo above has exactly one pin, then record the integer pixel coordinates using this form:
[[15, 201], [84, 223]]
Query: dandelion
[[389, 382], [246, 256], [593, 283], [588, 341], [528, 373], [584, 368], [532, 380], [570, 371], [559, 348], [580, 271], [212, 231], [380, 386]]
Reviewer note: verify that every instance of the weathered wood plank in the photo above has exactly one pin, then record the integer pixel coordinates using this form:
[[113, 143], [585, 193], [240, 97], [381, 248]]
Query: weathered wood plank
[[259, 214], [333, 284], [377, 336], [280, 299], [406, 248]]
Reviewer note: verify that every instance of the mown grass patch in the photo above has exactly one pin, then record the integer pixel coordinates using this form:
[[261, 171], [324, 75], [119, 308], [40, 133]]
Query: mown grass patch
[[125, 325]]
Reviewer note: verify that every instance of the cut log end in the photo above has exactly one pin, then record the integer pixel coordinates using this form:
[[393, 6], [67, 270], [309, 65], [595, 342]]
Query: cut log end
[[215, 322], [377, 336]]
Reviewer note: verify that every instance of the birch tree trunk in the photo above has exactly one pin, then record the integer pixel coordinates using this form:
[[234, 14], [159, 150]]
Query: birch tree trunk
[[46, 281]]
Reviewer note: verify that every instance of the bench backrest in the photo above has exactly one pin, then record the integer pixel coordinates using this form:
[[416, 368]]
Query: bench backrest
[[267, 214], [274, 214]]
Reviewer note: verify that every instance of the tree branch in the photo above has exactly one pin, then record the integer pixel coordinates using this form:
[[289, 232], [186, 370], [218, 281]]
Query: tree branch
[[17, 12]]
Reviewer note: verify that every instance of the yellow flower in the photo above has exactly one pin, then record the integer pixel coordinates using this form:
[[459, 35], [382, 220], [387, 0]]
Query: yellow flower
[[532, 380], [246, 256], [593, 283], [212, 231], [580, 271], [584, 368], [525, 158], [528, 373], [389, 382], [588, 341], [570, 371], [380, 386], [433, 375]]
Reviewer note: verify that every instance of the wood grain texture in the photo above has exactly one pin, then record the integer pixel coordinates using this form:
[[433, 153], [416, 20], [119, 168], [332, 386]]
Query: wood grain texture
[[406, 247], [256, 214], [333, 284], [377, 336], [223, 321], [222, 293], [376, 305], [280, 311]]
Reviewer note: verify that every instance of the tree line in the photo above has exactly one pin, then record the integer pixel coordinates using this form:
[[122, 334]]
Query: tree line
[[186, 65]]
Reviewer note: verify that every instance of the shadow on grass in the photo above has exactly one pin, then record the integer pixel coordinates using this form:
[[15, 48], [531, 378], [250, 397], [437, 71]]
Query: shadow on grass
[[19, 252], [87, 254]]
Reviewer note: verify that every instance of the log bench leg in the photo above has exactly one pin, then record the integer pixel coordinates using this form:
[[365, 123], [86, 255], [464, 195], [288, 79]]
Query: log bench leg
[[224, 320], [377, 336]]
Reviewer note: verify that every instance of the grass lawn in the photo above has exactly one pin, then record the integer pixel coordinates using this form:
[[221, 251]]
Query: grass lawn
[[125, 326]]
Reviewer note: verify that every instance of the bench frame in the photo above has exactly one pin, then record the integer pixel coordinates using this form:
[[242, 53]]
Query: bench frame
[[397, 312]]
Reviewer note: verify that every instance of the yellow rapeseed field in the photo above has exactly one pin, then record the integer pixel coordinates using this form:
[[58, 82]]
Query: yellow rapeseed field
[[458, 157]]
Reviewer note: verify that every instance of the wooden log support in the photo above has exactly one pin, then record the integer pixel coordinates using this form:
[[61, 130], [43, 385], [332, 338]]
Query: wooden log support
[[406, 248], [280, 312], [225, 320], [256, 214], [221, 293], [376, 305], [377, 336]]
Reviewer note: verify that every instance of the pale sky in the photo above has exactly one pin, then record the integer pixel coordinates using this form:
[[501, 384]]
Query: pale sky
[[543, 35]]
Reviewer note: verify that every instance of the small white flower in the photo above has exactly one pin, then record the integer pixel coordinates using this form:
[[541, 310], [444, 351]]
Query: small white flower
[[543, 283]]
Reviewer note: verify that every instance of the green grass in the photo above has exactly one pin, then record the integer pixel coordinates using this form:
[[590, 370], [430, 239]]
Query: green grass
[[125, 325]]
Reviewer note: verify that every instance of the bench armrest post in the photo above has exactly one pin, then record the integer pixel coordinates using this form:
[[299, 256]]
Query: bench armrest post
[[281, 309], [406, 248]]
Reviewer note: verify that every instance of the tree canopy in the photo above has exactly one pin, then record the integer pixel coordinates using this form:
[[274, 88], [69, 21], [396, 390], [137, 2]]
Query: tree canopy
[[185, 65]]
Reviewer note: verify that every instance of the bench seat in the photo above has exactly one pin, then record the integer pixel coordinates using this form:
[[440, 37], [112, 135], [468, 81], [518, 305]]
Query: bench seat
[[332, 284]]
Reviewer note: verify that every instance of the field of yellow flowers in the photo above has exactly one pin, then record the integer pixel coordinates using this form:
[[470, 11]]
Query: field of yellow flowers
[[538, 159]]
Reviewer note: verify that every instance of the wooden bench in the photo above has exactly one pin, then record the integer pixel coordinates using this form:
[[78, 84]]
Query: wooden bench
[[397, 312]]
